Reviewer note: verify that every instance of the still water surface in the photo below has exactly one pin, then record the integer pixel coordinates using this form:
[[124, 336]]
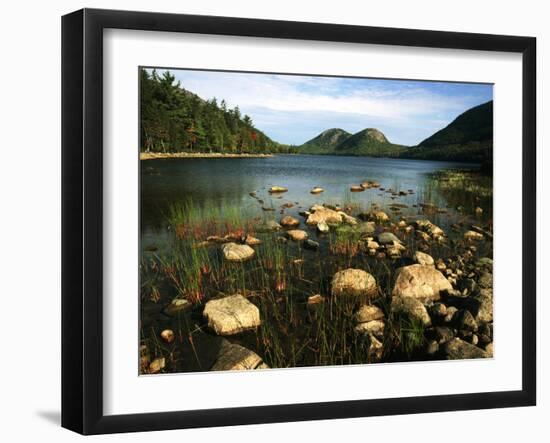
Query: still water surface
[[229, 181]]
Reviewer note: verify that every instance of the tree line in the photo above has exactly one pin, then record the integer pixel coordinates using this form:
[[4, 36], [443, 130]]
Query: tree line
[[173, 119]]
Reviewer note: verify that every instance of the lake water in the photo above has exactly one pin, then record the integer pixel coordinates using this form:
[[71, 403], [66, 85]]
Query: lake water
[[229, 181]]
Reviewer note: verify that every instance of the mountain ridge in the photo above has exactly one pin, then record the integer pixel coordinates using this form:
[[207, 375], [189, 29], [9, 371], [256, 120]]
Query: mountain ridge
[[325, 142], [468, 138], [336, 141]]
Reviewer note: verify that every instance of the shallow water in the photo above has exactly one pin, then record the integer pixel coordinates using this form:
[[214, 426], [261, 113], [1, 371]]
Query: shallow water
[[229, 181]]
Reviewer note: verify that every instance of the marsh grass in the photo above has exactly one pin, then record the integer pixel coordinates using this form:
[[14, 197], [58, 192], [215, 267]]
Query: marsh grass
[[346, 241], [410, 335], [191, 220]]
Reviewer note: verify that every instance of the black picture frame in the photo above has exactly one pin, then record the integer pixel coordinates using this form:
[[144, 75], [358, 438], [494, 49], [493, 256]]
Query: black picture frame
[[82, 218]]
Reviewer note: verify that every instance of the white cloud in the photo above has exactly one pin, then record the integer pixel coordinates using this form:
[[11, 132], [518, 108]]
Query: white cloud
[[286, 93]]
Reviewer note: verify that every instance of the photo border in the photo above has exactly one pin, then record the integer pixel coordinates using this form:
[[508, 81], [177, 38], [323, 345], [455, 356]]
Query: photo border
[[82, 220]]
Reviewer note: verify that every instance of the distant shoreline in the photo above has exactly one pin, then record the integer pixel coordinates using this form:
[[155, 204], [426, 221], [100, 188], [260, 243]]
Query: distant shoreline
[[157, 155]]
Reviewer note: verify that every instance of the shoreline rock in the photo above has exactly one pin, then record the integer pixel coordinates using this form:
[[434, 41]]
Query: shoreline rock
[[277, 189], [297, 235], [234, 357], [289, 222], [236, 252], [322, 214], [231, 315], [412, 308], [353, 282], [419, 281], [458, 349]]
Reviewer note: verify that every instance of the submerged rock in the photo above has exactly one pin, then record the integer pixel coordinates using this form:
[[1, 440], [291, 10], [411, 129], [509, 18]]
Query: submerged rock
[[317, 190], [177, 305], [412, 308], [353, 282], [357, 188], [310, 244], [252, 241], [268, 226], [289, 222], [422, 282], [277, 189], [321, 214], [370, 184], [231, 315], [236, 252], [234, 357], [457, 349], [297, 235]]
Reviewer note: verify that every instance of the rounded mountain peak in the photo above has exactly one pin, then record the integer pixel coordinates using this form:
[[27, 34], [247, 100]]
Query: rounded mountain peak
[[376, 134]]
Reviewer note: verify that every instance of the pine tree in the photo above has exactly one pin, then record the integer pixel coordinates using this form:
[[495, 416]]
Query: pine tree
[[173, 119]]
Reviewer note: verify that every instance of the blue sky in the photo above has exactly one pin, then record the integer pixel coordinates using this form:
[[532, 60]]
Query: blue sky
[[293, 109]]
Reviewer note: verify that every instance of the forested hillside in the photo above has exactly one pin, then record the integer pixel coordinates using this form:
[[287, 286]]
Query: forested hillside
[[467, 138], [175, 120]]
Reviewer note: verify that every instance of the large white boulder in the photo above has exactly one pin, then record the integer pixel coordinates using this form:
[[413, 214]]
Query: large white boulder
[[236, 252], [231, 315], [420, 281], [354, 282]]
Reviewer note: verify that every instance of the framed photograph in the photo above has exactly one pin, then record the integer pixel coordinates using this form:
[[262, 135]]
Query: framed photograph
[[269, 221]]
